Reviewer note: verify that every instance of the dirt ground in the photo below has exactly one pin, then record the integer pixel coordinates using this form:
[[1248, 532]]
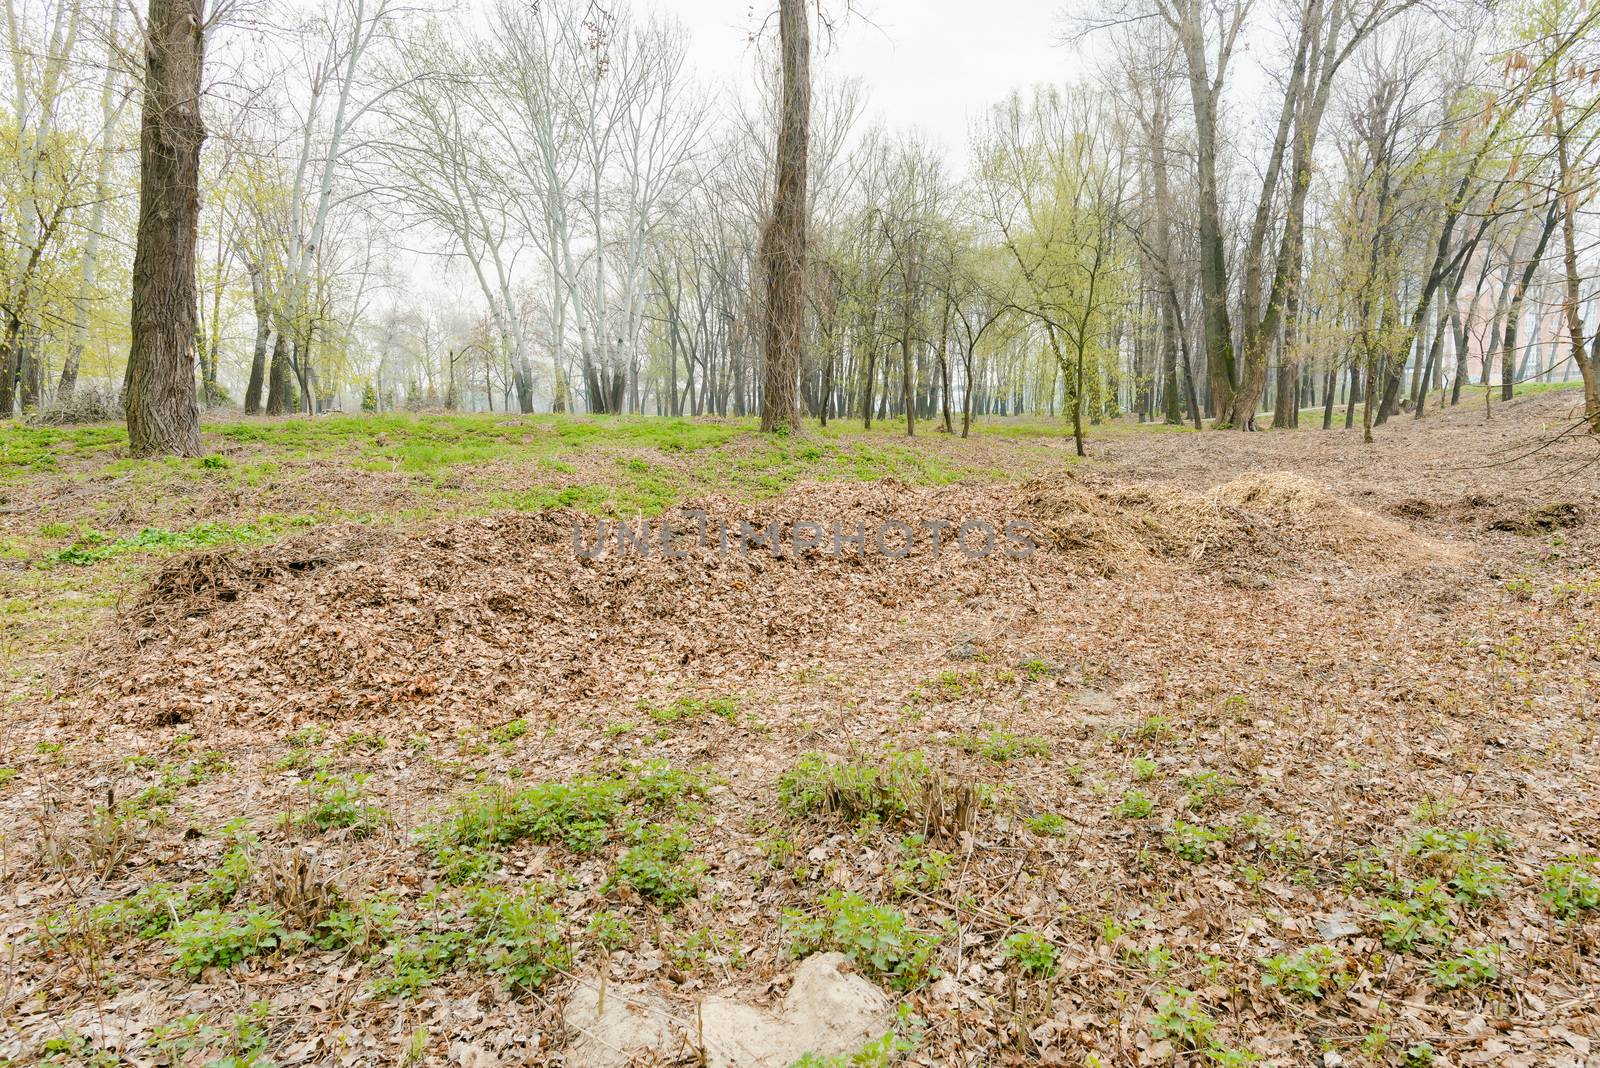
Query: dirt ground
[[1280, 749]]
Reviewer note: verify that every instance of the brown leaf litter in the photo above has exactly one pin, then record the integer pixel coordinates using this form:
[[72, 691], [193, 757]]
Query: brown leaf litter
[[1269, 656], [506, 611]]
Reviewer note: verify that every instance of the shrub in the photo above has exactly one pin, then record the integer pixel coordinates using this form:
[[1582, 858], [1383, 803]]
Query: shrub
[[879, 939]]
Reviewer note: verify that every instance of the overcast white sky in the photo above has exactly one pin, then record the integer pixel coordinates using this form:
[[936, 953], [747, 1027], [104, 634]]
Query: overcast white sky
[[926, 63]]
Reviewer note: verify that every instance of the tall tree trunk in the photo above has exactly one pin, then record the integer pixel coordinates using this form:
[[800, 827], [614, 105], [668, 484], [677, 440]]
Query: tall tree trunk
[[1508, 360], [1567, 198], [784, 239], [258, 360], [163, 416], [8, 369], [110, 110], [278, 374]]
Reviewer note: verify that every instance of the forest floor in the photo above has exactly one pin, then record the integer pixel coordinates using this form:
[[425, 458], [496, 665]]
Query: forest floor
[[332, 748]]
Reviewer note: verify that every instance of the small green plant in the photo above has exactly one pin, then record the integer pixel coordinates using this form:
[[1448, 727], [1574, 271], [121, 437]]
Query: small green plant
[[659, 786], [1047, 824], [1420, 1055], [1473, 967], [879, 939], [888, 788], [1154, 729], [213, 938], [1180, 1020], [881, 1052], [687, 708], [655, 865], [610, 930], [919, 869], [70, 1047], [952, 684], [703, 945], [518, 937], [1308, 973], [507, 733], [309, 736], [1421, 914], [1036, 669], [416, 1049], [1193, 842], [1031, 952], [1145, 769], [364, 741], [1375, 1042], [1205, 789], [1003, 746], [242, 1043], [464, 864], [1157, 958], [1433, 809], [578, 815], [1571, 887], [336, 803], [362, 928], [417, 962], [1135, 805], [1478, 880]]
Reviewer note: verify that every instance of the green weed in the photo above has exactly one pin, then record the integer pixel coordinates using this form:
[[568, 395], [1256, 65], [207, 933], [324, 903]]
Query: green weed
[[879, 939]]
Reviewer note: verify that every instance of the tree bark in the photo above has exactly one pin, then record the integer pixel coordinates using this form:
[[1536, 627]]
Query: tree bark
[[258, 361], [278, 374], [1567, 198], [1508, 360], [163, 416], [784, 240]]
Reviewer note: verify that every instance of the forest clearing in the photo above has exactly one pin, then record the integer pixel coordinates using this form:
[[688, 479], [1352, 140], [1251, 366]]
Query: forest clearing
[[320, 751], [800, 534]]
